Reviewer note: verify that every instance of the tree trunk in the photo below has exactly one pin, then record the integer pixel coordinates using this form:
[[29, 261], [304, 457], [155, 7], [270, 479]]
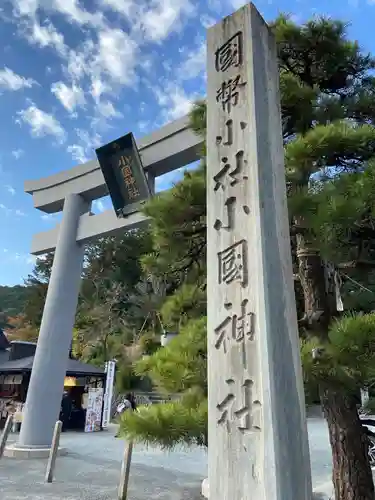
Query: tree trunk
[[352, 477], [313, 281], [351, 474]]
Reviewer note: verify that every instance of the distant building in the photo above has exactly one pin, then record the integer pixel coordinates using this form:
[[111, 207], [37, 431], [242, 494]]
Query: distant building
[[16, 362]]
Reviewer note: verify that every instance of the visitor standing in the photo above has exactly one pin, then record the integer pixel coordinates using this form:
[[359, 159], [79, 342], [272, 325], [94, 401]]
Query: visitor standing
[[66, 410], [128, 403]]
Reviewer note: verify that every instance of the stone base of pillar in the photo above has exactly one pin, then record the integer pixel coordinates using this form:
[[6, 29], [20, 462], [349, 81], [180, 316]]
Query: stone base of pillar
[[15, 451], [205, 488]]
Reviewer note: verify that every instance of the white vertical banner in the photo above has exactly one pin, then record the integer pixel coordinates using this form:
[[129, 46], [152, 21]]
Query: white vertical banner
[[110, 367]]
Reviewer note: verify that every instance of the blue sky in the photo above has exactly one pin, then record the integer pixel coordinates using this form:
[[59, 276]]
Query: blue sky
[[75, 74]]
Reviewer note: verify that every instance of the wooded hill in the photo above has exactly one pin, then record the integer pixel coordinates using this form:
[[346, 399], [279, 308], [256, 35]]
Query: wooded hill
[[13, 299]]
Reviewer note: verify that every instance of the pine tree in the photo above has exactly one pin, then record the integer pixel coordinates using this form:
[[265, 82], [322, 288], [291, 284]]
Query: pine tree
[[328, 104], [328, 113], [178, 230]]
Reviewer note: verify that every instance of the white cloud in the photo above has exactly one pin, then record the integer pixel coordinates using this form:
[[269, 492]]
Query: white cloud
[[76, 14], [10, 189], [68, 8], [174, 101], [31, 259], [163, 17], [124, 7], [83, 149], [12, 211], [195, 63], [153, 20], [48, 217], [78, 153], [98, 87], [161, 96], [46, 36], [207, 21], [109, 63], [24, 257], [9, 80], [26, 7], [146, 63], [41, 123], [70, 97], [107, 56], [89, 140], [107, 110], [180, 104], [17, 153], [144, 126], [79, 60], [116, 56], [98, 205], [104, 60]]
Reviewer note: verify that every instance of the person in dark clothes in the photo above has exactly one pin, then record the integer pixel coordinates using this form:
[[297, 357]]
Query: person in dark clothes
[[128, 403], [66, 410], [133, 402]]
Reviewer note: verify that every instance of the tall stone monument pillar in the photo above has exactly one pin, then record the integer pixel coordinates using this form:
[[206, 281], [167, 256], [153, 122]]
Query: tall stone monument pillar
[[47, 377], [258, 447]]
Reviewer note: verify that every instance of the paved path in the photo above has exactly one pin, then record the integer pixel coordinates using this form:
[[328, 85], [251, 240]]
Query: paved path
[[92, 468]]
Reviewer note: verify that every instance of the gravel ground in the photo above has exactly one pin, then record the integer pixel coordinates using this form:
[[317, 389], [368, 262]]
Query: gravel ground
[[91, 471]]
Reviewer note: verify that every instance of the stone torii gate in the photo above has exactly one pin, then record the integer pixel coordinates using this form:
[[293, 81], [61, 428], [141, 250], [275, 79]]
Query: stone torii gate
[[72, 192]]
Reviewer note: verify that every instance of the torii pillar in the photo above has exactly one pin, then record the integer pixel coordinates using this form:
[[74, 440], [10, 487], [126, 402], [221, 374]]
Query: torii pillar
[[46, 386]]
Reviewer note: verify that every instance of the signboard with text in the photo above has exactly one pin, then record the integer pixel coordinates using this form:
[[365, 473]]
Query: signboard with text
[[94, 410], [123, 172]]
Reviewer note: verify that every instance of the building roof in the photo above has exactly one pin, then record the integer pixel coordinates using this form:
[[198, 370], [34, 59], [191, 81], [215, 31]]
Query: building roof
[[9, 363], [4, 356], [74, 367], [4, 342]]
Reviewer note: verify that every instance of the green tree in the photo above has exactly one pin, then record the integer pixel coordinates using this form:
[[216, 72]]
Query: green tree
[[115, 260], [109, 262], [178, 229], [5, 321], [178, 369], [37, 285], [13, 299], [98, 321], [328, 112]]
